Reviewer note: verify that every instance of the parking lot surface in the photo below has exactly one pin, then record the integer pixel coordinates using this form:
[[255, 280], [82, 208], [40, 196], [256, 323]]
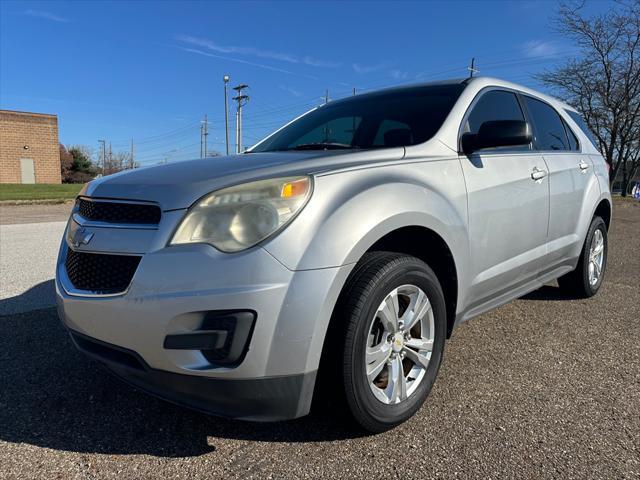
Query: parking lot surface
[[545, 387]]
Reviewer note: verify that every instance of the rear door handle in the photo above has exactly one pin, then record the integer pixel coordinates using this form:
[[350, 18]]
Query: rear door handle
[[583, 166], [537, 174]]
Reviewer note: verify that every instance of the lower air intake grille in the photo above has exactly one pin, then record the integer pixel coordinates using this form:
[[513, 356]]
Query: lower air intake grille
[[100, 273]]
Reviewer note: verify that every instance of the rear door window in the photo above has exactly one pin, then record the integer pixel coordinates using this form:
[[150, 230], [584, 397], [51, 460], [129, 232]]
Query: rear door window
[[549, 130]]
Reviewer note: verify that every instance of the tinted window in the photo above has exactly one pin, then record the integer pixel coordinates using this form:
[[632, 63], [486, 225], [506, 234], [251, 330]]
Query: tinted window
[[339, 130], [550, 133], [389, 128], [493, 105], [406, 116], [583, 126], [573, 140]]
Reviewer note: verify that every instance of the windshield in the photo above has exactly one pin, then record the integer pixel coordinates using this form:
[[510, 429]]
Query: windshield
[[392, 118]]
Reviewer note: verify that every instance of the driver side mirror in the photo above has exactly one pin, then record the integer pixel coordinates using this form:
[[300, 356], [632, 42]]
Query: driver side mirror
[[497, 133]]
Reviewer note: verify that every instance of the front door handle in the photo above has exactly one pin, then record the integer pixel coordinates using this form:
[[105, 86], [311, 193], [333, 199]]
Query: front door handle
[[583, 166], [537, 174]]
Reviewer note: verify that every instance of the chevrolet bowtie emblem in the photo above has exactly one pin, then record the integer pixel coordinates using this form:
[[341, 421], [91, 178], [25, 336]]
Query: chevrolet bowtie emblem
[[81, 237]]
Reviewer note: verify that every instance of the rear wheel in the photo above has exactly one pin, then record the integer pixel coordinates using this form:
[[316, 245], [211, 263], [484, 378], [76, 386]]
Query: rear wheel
[[394, 319], [586, 279]]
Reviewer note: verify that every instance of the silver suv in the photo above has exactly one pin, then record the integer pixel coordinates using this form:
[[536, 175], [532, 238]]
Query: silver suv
[[338, 254]]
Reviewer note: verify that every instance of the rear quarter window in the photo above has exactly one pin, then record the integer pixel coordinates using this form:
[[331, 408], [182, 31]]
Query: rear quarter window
[[583, 126], [573, 140]]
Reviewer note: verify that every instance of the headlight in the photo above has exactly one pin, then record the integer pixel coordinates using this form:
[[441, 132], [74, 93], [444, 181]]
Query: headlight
[[236, 218]]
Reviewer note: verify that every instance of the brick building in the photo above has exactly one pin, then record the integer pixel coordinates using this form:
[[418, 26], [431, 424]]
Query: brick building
[[29, 151]]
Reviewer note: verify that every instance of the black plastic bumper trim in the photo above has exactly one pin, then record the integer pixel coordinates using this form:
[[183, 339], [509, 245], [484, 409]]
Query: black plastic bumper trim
[[257, 399], [201, 340]]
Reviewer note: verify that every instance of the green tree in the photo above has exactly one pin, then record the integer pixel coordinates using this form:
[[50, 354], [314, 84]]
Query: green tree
[[66, 165], [82, 168]]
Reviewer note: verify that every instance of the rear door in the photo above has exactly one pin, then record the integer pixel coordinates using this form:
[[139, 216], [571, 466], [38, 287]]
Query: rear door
[[508, 204], [570, 174]]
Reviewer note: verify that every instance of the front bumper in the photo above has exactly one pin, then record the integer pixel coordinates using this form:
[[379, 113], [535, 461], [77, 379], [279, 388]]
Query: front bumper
[[173, 291], [260, 399]]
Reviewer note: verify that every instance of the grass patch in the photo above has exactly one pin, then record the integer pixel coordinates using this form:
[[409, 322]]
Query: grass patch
[[39, 191], [620, 200]]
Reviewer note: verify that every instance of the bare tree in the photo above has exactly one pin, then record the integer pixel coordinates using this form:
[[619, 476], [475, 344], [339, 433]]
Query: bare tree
[[118, 161], [603, 80]]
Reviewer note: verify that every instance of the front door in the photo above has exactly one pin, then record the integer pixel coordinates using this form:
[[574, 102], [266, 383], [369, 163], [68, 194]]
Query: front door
[[27, 172], [508, 202]]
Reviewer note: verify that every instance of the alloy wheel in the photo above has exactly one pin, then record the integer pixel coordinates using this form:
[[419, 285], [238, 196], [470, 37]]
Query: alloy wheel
[[399, 344], [596, 257]]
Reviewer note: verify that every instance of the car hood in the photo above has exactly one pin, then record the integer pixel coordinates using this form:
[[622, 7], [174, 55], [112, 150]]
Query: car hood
[[178, 185]]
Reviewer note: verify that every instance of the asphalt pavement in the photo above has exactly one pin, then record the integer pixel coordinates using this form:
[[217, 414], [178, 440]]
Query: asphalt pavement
[[27, 261], [545, 387]]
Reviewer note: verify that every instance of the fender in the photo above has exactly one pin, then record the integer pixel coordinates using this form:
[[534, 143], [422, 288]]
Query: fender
[[348, 213]]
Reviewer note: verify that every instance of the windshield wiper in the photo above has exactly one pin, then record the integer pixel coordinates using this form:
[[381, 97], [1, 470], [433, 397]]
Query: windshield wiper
[[324, 146]]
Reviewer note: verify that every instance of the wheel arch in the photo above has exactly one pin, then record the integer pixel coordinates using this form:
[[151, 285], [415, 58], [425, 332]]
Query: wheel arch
[[412, 240], [407, 240], [603, 210]]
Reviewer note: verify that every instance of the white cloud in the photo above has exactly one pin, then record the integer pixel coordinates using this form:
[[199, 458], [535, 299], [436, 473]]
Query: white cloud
[[290, 90], [539, 48], [398, 74], [46, 15], [256, 52], [244, 62], [360, 68]]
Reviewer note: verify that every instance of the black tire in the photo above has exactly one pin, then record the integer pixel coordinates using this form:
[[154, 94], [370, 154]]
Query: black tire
[[576, 283], [375, 276]]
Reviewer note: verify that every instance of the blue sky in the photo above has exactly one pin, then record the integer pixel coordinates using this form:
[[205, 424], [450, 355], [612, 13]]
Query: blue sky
[[150, 71]]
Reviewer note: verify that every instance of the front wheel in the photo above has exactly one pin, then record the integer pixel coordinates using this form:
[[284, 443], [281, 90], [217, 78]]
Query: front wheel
[[395, 327], [586, 279]]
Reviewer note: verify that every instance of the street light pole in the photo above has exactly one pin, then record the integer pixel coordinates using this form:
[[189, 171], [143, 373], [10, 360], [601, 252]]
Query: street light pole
[[226, 111]]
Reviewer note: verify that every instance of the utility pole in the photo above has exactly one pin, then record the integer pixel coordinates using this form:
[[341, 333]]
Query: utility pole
[[354, 90], [201, 131], [225, 79], [205, 132], [104, 153], [132, 161], [472, 68], [326, 96], [110, 156], [242, 100]]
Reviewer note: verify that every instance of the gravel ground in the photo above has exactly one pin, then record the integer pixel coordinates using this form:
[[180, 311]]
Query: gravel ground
[[544, 387], [12, 214]]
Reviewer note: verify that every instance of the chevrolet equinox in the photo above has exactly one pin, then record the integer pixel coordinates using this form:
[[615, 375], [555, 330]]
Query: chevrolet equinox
[[338, 254]]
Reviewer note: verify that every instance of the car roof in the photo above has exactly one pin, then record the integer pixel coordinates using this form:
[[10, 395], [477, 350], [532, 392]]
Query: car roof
[[482, 82], [478, 82]]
